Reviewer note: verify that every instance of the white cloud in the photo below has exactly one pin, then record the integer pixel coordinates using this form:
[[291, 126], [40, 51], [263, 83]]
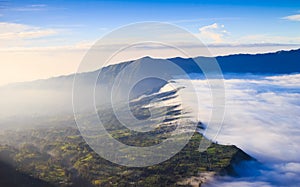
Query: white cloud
[[295, 17], [38, 5], [9, 27], [17, 35], [261, 114], [262, 118], [214, 33], [21, 31], [27, 34]]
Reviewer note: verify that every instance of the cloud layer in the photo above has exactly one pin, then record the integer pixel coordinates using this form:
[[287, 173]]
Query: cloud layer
[[262, 118]]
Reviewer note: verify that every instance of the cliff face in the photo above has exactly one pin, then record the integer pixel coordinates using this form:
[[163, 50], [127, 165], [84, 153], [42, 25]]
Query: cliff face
[[240, 163]]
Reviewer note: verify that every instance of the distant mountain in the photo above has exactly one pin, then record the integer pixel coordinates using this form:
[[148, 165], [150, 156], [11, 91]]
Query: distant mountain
[[54, 95], [281, 62]]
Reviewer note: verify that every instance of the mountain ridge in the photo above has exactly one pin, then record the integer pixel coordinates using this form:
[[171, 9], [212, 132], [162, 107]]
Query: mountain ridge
[[41, 94], [227, 63]]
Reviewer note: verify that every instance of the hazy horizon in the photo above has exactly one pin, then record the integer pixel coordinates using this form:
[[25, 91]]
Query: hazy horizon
[[42, 40]]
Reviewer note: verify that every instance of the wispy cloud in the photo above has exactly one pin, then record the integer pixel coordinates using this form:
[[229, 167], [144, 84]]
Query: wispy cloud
[[295, 17], [38, 5], [203, 19], [29, 8], [18, 35], [9, 31], [27, 34]]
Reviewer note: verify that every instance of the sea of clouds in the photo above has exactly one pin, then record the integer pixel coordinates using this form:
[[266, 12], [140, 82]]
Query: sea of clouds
[[262, 118]]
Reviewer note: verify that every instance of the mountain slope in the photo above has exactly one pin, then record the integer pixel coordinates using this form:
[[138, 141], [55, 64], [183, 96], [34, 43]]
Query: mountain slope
[[281, 62], [61, 157], [54, 96]]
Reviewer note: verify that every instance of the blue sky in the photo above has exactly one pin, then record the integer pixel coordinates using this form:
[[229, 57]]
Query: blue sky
[[89, 20], [35, 30]]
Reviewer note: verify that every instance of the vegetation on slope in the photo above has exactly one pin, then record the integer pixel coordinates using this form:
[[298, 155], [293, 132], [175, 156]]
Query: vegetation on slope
[[61, 157]]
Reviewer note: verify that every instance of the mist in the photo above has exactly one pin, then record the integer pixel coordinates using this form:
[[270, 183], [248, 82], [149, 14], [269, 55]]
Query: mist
[[262, 118]]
